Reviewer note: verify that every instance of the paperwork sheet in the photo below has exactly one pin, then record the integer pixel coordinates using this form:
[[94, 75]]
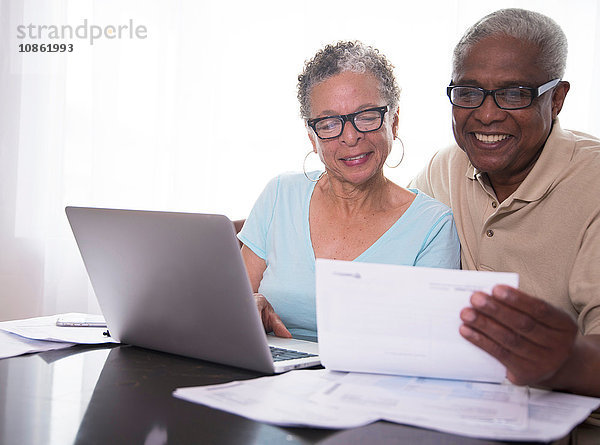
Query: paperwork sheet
[[401, 320], [399, 325], [45, 329], [327, 399], [12, 345], [281, 401], [432, 400]]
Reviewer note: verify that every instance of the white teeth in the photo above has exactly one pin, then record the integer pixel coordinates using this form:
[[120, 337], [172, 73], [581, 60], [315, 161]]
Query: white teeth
[[355, 157], [490, 138]]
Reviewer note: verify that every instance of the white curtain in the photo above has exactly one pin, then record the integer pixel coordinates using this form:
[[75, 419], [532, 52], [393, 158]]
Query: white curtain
[[199, 115]]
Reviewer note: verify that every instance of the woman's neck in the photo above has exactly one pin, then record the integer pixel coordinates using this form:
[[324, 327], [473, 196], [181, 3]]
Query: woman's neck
[[352, 199]]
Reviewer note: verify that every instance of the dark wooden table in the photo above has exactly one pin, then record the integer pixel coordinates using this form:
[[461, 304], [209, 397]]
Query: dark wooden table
[[123, 395]]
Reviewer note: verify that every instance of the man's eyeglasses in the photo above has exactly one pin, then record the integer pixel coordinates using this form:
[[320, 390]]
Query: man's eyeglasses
[[330, 127], [512, 98]]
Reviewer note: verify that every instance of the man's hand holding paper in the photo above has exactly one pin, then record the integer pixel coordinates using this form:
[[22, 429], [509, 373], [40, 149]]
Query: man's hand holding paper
[[538, 343], [410, 325]]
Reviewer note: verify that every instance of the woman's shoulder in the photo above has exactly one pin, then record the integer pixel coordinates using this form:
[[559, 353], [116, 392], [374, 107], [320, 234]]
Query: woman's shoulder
[[425, 203], [287, 187], [420, 199]]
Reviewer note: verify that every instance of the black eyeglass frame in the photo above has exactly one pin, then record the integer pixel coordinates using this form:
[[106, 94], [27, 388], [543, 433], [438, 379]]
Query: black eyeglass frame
[[535, 92], [348, 118]]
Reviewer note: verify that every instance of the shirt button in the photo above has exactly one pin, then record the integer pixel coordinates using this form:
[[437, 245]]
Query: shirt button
[[494, 204], [489, 233]]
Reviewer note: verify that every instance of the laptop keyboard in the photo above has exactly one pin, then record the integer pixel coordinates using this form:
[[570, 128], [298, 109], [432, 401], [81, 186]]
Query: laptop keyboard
[[280, 354]]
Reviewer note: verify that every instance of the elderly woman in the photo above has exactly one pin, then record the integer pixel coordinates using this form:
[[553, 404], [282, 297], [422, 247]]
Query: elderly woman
[[351, 211]]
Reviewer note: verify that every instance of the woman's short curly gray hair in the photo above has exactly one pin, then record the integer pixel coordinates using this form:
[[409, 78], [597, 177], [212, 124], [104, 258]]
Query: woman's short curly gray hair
[[351, 56], [524, 25]]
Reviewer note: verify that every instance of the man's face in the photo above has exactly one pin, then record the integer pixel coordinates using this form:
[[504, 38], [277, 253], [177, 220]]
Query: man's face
[[504, 143]]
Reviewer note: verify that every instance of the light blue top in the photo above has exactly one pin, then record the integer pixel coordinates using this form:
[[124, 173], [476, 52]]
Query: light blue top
[[277, 230]]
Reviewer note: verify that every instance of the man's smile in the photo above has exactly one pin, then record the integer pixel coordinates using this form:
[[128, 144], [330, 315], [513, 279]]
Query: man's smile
[[490, 138]]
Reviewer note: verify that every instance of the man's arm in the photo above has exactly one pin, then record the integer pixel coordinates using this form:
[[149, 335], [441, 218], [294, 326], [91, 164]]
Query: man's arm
[[538, 343]]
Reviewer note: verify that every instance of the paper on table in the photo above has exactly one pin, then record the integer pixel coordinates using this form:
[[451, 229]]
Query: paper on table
[[281, 401], [300, 398], [411, 314], [551, 416], [12, 345], [432, 400], [44, 328]]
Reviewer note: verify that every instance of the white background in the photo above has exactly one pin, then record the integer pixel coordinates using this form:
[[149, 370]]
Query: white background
[[202, 113]]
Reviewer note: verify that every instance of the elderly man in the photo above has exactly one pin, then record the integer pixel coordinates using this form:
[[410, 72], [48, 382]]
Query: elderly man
[[525, 198]]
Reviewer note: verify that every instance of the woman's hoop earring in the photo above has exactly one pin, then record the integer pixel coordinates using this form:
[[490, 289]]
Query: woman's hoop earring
[[402, 158], [304, 168]]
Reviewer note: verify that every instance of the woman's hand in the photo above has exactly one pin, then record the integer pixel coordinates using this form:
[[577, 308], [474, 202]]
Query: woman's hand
[[270, 319]]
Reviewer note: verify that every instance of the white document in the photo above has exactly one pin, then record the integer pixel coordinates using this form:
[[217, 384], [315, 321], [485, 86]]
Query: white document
[[12, 345], [44, 328], [326, 399], [551, 416], [388, 319], [281, 400], [414, 399]]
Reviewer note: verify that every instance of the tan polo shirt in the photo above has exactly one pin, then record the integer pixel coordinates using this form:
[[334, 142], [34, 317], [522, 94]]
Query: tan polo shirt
[[548, 230]]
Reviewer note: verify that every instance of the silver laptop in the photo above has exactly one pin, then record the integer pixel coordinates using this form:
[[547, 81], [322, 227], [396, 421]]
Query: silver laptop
[[176, 282]]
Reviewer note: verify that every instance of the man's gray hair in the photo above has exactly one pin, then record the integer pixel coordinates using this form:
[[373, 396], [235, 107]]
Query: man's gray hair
[[521, 24], [351, 56]]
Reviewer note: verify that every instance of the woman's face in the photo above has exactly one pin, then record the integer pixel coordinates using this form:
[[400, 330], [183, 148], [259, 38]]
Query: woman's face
[[352, 157]]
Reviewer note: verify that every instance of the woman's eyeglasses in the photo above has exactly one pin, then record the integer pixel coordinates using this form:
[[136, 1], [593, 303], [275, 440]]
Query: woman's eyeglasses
[[330, 127]]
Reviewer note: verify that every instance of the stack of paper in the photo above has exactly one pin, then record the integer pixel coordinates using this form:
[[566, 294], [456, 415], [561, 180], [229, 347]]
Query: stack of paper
[[42, 334], [394, 331], [401, 320], [12, 345], [327, 399]]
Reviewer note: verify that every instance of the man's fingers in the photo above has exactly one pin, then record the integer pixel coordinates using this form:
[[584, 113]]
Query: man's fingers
[[517, 330], [532, 321], [537, 309], [525, 369], [496, 339]]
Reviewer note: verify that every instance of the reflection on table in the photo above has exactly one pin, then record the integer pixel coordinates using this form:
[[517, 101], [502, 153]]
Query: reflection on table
[[123, 395]]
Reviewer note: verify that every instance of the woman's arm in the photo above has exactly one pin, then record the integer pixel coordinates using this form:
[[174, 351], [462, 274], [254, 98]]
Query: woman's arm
[[255, 267]]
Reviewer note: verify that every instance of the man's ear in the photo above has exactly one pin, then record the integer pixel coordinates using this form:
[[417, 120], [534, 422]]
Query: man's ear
[[558, 97]]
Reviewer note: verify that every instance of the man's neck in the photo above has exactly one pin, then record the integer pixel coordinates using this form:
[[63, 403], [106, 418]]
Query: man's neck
[[506, 183]]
